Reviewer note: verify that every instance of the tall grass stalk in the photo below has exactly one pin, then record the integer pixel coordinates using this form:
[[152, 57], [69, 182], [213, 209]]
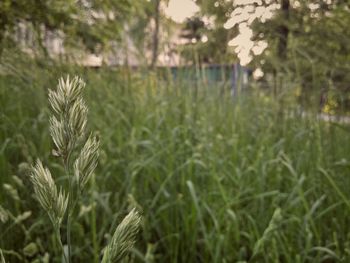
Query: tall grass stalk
[[68, 132], [245, 158]]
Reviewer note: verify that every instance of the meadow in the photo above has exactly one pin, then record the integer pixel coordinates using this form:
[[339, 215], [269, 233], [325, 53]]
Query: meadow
[[216, 178]]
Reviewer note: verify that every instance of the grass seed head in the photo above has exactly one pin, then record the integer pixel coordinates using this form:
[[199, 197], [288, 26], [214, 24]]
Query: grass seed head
[[66, 93], [59, 136], [123, 238], [77, 118], [69, 123], [269, 231], [86, 163], [53, 202]]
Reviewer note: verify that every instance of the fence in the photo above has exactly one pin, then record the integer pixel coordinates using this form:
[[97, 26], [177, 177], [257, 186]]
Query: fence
[[234, 75]]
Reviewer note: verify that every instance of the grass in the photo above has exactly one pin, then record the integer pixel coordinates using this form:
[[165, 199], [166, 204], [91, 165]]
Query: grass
[[217, 179]]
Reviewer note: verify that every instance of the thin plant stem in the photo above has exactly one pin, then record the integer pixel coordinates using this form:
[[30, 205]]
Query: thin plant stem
[[69, 237], [95, 245], [69, 208], [58, 236]]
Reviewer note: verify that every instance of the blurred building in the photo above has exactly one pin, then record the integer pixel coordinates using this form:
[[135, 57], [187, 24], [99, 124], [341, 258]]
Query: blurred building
[[119, 53]]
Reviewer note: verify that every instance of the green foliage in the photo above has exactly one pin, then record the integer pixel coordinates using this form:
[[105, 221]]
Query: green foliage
[[214, 177], [53, 15], [143, 32], [306, 41], [91, 24], [215, 48], [104, 22]]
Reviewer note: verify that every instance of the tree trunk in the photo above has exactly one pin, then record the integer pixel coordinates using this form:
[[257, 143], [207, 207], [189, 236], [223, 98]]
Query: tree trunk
[[40, 39], [155, 34], [2, 34], [283, 31]]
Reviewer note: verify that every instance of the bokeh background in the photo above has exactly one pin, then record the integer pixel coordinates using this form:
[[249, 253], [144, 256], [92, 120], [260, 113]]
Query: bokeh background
[[224, 122]]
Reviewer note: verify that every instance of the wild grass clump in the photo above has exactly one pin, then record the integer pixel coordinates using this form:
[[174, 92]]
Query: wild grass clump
[[218, 179], [79, 155]]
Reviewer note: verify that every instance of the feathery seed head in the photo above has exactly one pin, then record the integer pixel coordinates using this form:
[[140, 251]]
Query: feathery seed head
[[123, 238], [86, 163], [57, 101], [59, 136], [71, 114], [71, 88], [269, 231], [45, 190], [67, 92], [77, 118]]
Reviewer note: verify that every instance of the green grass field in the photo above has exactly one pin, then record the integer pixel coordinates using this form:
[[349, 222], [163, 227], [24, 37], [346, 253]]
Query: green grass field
[[216, 179]]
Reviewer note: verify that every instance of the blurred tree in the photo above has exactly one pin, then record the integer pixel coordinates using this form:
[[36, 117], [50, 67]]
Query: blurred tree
[[193, 29], [103, 21], [155, 33], [307, 40], [150, 30], [91, 23], [52, 15], [193, 32], [207, 38]]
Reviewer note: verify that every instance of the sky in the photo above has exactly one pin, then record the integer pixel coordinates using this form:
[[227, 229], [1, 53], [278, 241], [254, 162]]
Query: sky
[[179, 10]]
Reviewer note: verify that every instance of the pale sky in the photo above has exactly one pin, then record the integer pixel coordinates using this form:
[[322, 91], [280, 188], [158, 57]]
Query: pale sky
[[179, 10]]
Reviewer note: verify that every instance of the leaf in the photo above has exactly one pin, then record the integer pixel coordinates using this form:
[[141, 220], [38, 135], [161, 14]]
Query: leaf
[[4, 216], [326, 251], [46, 258], [30, 250], [11, 192], [23, 217], [2, 257]]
